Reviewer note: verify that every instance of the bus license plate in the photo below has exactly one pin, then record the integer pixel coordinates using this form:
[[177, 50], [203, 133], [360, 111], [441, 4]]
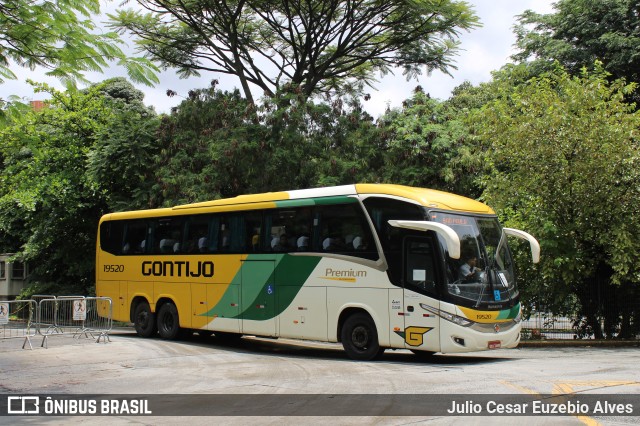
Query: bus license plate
[[494, 344]]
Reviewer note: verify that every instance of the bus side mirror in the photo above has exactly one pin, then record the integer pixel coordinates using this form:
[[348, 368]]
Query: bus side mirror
[[449, 235], [535, 246]]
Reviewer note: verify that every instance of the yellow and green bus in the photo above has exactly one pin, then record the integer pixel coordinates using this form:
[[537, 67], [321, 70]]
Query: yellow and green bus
[[372, 266]]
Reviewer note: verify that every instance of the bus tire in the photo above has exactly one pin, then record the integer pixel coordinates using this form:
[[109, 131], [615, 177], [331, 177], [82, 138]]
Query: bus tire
[[168, 321], [144, 321], [360, 338]]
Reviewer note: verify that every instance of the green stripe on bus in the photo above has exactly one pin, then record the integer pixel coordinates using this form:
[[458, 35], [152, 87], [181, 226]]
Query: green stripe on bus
[[335, 200], [341, 199], [509, 313], [294, 203], [266, 286]]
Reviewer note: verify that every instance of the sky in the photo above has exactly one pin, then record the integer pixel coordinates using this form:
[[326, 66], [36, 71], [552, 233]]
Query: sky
[[482, 51]]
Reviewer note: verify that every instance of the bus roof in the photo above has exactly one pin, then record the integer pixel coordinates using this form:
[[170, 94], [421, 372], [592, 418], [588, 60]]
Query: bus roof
[[426, 197]]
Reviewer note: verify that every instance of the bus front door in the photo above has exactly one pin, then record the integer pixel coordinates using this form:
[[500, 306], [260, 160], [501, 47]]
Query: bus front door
[[421, 325], [258, 298]]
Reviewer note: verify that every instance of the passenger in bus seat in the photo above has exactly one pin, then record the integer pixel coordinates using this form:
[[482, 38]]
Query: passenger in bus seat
[[326, 244], [283, 244], [226, 241], [333, 243], [360, 243], [166, 245], [203, 244], [303, 243], [255, 240]]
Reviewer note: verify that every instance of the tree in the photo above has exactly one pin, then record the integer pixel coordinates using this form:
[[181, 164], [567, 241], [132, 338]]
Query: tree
[[121, 161], [428, 146], [55, 35], [314, 47], [209, 148], [582, 32], [216, 144], [563, 159], [50, 203]]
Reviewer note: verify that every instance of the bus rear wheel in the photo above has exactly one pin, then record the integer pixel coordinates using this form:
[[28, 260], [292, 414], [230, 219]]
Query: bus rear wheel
[[144, 321], [360, 338], [168, 322]]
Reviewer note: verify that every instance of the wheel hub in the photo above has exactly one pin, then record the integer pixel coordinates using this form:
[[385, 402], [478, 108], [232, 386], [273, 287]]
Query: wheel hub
[[360, 337]]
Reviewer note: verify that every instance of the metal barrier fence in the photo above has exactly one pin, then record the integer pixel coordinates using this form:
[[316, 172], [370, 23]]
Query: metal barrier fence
[[16, 320], [48, 315], [546, 326], [43, 322], [46, 320], [76, 316]]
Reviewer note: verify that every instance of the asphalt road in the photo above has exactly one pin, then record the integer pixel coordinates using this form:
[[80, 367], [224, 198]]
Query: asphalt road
[[133, 365]]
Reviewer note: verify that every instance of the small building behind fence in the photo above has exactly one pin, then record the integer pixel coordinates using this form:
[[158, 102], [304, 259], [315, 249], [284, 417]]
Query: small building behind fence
[[13, 277]]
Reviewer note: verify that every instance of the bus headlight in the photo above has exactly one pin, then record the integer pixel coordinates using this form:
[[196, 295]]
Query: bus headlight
[[463, 322]]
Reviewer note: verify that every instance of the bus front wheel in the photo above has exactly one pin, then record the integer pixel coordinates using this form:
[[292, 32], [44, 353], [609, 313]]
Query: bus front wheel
[[168, 322], [360, 338], [144, 321]]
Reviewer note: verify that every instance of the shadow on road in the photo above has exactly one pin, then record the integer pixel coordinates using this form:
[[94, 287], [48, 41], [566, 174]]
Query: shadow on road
[[320, 350]]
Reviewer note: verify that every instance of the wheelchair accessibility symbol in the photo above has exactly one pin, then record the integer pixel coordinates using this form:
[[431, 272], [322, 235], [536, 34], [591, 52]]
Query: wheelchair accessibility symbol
[[270, 289]]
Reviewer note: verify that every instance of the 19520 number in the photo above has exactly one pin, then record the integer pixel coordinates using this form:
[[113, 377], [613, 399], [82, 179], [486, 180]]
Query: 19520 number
[[114, 268]]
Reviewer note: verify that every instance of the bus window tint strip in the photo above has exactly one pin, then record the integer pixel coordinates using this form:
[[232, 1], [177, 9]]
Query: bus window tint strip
[[335, 225]]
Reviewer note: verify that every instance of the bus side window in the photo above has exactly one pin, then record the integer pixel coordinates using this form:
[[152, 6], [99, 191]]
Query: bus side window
[[136, 236], [112, 237], [167, 235], [252, 230], [224, 235], [344, 229], [302, 225], [196, 239], [289, 229], [231, 234]]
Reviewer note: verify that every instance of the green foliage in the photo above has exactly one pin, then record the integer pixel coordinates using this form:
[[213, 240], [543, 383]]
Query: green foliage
[[121, 161], [209, 148], [58, 36], [216, 144], [582, 32], [562, 156], [428, 146], [49, 203], [12, 108], [46, 202], [319, 47]]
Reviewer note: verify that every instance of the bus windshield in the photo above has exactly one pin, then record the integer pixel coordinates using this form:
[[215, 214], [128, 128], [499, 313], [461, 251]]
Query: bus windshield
[[483, 276]]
